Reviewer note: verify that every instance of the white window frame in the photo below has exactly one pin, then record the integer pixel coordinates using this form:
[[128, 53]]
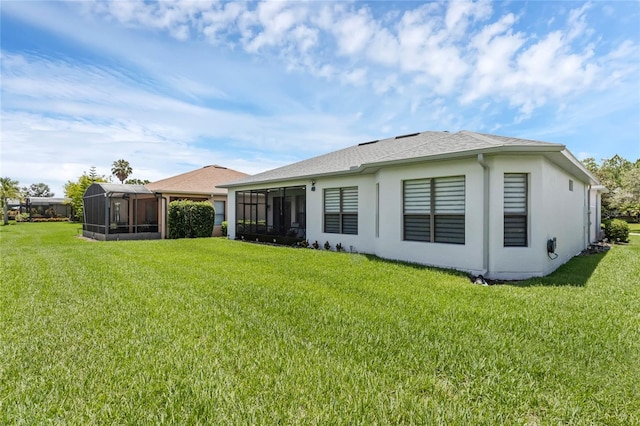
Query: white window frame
[[341, 205], [516, 210], [434, 210]]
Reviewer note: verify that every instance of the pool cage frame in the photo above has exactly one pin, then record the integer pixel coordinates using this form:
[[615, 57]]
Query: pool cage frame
[[120, 212]]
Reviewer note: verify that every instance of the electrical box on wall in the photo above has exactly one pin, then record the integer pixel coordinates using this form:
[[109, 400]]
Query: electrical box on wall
[[551, 248]]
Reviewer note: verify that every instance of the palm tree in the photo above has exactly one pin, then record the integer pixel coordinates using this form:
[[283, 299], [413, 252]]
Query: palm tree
[[8, 189], [121, 169]]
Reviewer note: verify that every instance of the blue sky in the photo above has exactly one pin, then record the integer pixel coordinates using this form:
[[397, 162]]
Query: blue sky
[[176, 85]]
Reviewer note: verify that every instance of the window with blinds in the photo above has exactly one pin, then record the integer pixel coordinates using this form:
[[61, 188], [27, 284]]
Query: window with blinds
[[434, 210], [341, 210], [220, 212], [515, 209]]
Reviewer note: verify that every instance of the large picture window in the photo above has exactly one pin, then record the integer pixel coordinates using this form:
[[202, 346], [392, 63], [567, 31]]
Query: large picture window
[[434, 210], [341, 210], [515, 209]]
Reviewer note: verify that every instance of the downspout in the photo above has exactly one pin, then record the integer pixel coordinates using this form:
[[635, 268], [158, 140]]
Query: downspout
[[588, 216], [485, 214]]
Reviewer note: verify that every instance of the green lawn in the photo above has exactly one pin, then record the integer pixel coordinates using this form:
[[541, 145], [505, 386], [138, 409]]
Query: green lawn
[[212, 331], [634, 227]]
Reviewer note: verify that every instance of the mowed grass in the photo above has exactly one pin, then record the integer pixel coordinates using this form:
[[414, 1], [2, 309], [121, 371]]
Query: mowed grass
[[212, 331]]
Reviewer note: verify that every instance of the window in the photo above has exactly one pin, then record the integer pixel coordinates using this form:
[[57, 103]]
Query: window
[[341, 210], [220, 210], [515, 209], [434, 210]]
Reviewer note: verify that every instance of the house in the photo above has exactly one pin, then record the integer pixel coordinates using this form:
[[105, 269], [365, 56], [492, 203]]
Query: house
[[499, 206], [42, 207], [121, 211], [49, 207], [196, 185]]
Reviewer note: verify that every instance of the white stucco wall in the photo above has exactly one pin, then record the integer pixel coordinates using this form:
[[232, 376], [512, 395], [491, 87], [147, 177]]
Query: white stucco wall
[[554, 211], [390, 243], [364, 242], [594, 215]]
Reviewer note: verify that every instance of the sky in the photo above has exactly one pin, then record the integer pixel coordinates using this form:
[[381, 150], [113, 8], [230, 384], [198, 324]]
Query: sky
[[173, 86]]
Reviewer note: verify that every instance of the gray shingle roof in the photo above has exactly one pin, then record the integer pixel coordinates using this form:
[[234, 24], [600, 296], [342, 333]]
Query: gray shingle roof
[[419, 146]]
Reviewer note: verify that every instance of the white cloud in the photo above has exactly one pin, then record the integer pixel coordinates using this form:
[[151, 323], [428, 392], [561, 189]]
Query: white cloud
[[528, 71], [354, 31], [357, 77], [459, 13]]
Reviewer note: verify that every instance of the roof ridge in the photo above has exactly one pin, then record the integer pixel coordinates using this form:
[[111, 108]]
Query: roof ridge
[[443, 135], [482, 137]]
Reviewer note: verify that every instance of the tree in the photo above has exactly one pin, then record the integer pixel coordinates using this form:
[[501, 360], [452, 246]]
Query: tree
[[626, 198], [92, 174], [37, 190], [618, 175], [137, 181], [8, 189], [75, 190], [121, 169]]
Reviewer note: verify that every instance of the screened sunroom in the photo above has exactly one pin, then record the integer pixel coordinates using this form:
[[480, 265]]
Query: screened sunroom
[[120, 212], [273, 214]]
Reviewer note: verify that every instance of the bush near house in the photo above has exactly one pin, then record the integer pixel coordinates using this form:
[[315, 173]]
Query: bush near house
[[191, 219], [617, 230]]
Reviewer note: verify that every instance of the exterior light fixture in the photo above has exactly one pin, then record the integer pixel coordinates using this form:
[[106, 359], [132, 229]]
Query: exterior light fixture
[[313, 185]]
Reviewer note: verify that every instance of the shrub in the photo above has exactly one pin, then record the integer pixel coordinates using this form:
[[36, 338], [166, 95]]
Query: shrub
[[191, 219], [22, 217], [223, 228], [48, 219], [617, 230]]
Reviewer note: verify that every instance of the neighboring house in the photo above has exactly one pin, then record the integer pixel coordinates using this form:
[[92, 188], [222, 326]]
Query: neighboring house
[[43, 207], [49, 207], [120, 211], [197, 185], [480, 203]]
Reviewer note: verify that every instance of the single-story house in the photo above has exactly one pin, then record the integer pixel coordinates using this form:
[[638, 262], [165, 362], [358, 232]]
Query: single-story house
[[121, 211], [503, 207], [49, 207], [42, 207], [196, 185]]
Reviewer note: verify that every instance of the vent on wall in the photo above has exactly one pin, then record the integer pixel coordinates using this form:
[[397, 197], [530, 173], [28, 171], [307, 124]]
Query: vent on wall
[[407, 135]]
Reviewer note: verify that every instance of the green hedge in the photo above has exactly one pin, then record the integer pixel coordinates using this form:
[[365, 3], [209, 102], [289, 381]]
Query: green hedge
[[191, 219]]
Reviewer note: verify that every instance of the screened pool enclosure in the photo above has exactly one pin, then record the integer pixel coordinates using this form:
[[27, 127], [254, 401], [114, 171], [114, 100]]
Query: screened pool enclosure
[[120, 212]]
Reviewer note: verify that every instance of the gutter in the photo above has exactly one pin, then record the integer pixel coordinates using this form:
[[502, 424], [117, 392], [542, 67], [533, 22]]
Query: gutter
[[485, 214], [360, 168]]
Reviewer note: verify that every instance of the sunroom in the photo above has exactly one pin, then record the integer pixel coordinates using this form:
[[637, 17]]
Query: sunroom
[[120, 212], [272, 214]]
